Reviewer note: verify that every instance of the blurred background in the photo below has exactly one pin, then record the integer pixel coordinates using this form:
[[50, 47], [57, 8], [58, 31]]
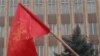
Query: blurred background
[[61, 16]]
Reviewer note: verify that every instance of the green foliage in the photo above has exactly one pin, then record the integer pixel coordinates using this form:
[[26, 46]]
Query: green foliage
[[78, 42]]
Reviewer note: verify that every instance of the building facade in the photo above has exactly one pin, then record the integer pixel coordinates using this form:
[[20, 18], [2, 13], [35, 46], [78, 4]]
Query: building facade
[[61, 16]]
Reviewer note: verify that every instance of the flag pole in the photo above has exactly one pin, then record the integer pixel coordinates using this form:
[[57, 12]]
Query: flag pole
[[66, 45]]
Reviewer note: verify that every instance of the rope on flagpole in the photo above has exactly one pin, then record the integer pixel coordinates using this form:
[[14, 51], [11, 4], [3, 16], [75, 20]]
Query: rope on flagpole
[[66, 45]]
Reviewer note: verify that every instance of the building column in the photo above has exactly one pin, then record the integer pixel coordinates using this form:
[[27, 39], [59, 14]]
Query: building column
[[98, 23], [58, 18], [72, 15], [45, 18], [6, 26], [85, 18]]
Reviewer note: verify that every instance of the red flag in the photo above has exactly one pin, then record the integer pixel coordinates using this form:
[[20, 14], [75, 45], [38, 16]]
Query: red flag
[[25, 25]]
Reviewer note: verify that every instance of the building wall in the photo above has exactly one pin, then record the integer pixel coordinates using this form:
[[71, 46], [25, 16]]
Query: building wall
[[69, 12]]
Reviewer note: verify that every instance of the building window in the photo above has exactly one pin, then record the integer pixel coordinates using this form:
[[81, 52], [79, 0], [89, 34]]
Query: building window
[[0, 31], [93, 29], [51, 1], [41, 50], [1, 51], [51, 9], [65, 8], [91, 7], [38, 1], [38, 9], [2, 2], [53, 27], [65, 30], [52, 50], [26, 1], [2, 7], [78, 6]]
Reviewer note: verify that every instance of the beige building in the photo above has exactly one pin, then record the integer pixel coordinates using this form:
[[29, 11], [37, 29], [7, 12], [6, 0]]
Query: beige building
[[61, 16]]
